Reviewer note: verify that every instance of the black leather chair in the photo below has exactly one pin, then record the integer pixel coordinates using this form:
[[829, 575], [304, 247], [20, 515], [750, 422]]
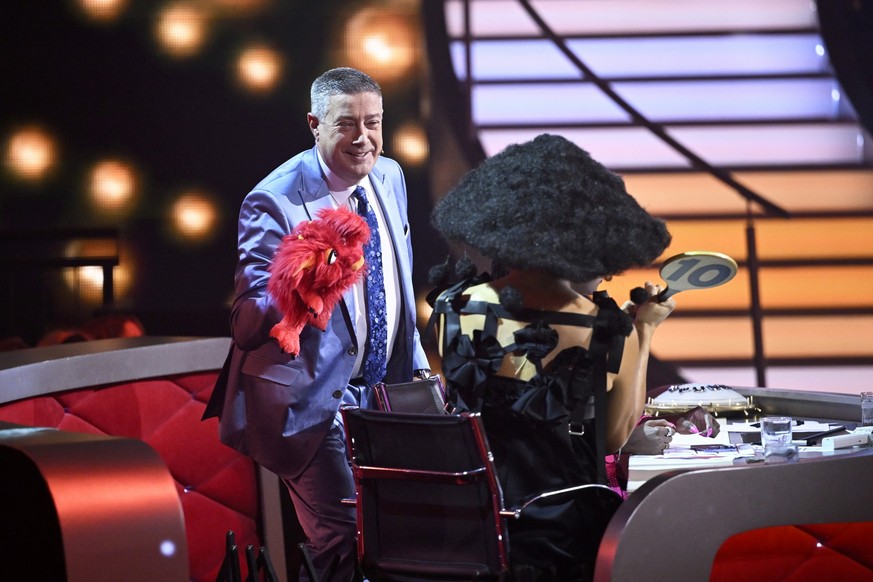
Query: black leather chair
[[429, 506]]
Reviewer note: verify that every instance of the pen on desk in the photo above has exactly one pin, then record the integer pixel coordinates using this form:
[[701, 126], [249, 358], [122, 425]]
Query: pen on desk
[[795, 423], [810, 440]]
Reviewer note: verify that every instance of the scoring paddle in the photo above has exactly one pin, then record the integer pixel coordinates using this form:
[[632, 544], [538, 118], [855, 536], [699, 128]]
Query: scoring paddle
[[696, 270]]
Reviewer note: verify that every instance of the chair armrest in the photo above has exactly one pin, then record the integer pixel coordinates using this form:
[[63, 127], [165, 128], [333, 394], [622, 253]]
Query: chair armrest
[[576, 491], [460, 477]]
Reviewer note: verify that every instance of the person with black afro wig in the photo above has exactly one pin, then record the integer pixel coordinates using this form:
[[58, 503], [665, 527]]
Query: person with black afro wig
[[556, 369]]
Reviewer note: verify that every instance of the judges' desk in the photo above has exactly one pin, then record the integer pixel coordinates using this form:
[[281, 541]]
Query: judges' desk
[[674, 523]]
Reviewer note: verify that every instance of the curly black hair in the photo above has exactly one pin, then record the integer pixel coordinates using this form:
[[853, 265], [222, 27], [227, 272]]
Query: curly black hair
[[547, 204]]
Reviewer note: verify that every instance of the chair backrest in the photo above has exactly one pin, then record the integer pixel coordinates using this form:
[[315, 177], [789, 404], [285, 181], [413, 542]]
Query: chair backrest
[[428, 501], [419, 396]]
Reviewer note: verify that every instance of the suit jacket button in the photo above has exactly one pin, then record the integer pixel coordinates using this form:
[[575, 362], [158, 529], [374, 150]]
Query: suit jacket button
[[337, 394], [353, 350]]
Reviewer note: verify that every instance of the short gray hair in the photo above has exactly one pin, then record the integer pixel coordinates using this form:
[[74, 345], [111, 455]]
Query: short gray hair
[[339, 81]]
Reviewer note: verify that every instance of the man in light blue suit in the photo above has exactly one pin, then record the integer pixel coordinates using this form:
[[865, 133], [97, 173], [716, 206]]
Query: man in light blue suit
[[283, 411]]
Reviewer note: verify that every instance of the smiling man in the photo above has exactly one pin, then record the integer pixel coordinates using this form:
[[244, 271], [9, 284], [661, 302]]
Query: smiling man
[[283, 411]]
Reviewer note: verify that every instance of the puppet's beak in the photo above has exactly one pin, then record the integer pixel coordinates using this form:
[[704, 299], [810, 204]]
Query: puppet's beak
[[310, 261], [358, 264]]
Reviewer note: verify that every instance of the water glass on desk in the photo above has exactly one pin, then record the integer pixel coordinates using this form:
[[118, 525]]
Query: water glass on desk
[[866, 408], [776, 436]]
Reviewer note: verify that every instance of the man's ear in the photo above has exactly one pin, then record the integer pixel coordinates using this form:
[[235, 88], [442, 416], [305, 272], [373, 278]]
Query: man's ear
[[313, 124]]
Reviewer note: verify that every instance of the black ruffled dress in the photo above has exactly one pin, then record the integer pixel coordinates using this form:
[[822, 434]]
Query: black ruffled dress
[[546, 433]]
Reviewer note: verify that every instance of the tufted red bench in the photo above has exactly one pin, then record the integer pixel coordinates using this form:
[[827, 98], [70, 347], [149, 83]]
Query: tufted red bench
[[797, 553], [217, 486]]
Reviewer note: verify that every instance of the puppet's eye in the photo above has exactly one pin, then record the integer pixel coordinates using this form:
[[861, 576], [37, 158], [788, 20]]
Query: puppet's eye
[[330, 256]]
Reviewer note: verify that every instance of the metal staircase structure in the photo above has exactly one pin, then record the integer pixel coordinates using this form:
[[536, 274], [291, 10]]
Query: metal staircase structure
[[725, 119]]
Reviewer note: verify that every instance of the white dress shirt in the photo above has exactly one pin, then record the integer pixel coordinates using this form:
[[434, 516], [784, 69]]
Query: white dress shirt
[[342, 196]]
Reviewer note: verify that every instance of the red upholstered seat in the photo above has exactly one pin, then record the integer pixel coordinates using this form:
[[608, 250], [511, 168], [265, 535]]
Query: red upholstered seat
[[217, 485], [802, 553]]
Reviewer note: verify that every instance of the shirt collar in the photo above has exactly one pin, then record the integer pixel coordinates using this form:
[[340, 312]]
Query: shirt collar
[[340, 194]]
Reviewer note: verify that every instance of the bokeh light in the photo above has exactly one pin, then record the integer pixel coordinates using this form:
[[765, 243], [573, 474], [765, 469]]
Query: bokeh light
[[410, 144], [102, 10], [181, 29], [31, 153], [258, 68], [112, 186], [193, 216], [242, 7], [383, 43]]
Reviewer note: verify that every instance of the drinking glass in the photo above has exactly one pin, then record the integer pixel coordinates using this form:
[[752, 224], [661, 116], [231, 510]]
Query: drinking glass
[[776, 436], [866, 408]]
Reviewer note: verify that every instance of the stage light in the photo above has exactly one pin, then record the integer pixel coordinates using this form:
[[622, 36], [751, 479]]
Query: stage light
[[258, 68], [31, 153], [383, 43], [410, 144], [87, 282], [112, 186], [192, 217], [102, 10], [181, 29]]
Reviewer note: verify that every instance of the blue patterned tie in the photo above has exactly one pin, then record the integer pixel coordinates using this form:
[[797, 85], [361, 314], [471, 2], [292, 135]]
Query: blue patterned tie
[[375, 357]]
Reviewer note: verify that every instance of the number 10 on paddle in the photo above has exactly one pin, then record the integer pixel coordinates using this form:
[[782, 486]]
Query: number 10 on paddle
[[696, 270]]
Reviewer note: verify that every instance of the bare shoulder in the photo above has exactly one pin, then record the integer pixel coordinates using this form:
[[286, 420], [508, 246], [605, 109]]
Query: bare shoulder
[[483, 292]]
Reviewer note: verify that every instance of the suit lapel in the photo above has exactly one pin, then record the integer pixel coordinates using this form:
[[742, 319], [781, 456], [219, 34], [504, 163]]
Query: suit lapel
[[315, 195], [391, 212]]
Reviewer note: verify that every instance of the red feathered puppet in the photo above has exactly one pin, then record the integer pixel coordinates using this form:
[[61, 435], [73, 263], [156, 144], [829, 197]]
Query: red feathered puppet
[[312, 268]]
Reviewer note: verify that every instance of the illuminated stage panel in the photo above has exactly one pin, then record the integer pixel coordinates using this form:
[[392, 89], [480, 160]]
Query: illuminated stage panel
[[727, 338], [735, 100], [529, 59], [817, 288], [501, 17], [660, 102], [814, 191], [559, 103], [784, 337], [813, 144], [613, 147], [779, 239], [843, 380], [806, 191], [835, 238], [826, 336], [628, 148]]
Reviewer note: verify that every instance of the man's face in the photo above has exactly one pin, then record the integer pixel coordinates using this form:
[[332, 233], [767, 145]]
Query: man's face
[[350, 137]]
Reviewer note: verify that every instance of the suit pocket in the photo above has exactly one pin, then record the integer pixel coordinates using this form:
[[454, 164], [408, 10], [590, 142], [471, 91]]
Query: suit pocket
[[269, 370]]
